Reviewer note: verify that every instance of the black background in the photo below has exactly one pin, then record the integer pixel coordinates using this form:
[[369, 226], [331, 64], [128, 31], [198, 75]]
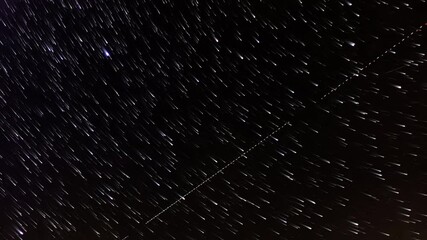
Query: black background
[[93, 145]]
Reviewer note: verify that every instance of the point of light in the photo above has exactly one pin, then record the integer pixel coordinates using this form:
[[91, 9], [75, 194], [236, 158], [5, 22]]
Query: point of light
[[20, 232], [106, 53]]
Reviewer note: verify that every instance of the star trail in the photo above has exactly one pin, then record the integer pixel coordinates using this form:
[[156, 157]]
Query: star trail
[[280, 128], [245, 119]]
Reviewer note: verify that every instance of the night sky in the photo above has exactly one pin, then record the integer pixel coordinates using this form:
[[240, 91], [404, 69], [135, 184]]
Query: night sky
[[225, 119]]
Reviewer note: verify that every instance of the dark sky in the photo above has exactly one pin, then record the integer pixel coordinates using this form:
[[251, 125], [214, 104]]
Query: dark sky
[[112, 110]]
